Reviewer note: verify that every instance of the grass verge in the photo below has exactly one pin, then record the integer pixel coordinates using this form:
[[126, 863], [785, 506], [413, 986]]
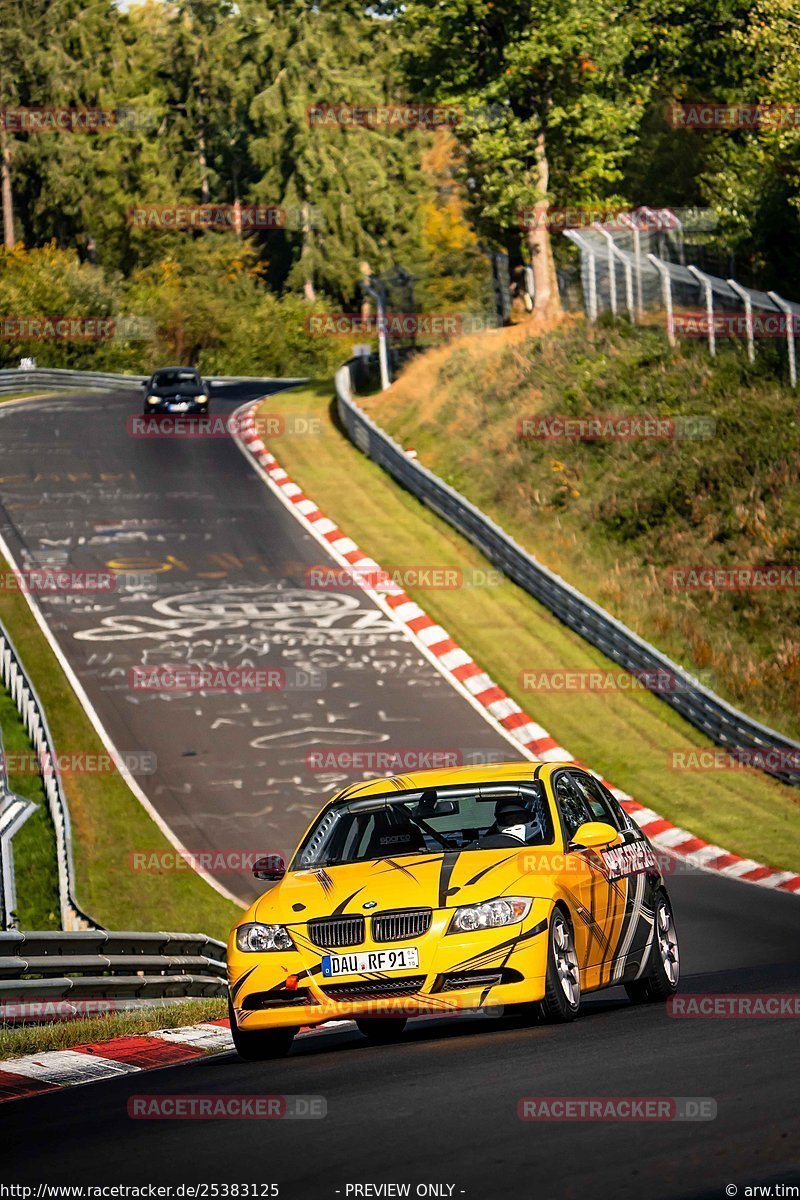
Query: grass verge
[[60, 1035], [622, 519], [108, 822], [630, 737]]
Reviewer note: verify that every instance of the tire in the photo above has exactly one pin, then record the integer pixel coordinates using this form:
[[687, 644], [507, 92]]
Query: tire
[[382, 1029], [562, 996], [257, 1045], [661, 975]]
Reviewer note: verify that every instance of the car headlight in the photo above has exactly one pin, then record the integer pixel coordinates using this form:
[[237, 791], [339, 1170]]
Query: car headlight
[[201, 399], [153, 399], [506, 910], [255, 937]]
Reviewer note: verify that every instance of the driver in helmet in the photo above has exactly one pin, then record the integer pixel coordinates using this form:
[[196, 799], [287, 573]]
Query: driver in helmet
[[514, 825]]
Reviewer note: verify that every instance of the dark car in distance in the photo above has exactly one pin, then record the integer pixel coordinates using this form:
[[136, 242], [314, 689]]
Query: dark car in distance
[[176, 390]]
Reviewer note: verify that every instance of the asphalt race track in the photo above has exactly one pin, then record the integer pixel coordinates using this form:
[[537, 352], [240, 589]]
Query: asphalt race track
[[440, 1107], [215, 574]]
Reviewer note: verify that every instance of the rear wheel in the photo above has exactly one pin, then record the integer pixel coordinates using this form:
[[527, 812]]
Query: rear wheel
[[256, 1045], [661, 974], [562, 996], [382, 1029]]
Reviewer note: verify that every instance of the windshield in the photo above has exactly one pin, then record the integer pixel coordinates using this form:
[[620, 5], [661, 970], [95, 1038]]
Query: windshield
[[428, 821], [169, 379]]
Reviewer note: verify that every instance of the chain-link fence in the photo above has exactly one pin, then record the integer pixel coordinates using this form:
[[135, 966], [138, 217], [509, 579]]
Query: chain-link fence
[[642, 263]]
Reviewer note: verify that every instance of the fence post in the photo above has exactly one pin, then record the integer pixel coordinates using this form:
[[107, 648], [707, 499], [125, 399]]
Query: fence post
[[587, 250], [666, 292], [705, 283], [786, 309], [615, 252], [744, 296]]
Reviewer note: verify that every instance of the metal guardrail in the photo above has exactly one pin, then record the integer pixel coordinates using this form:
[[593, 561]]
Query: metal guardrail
[[23, 380], [29, 707], [14, 812], [718, 720], [106, 963]]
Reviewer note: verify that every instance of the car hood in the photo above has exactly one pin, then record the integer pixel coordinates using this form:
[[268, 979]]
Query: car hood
[[410, 881]]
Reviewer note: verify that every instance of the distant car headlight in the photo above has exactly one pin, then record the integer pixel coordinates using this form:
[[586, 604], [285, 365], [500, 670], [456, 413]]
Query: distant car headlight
[[153, 399], [506, 910], [255, 938], [203, 399]]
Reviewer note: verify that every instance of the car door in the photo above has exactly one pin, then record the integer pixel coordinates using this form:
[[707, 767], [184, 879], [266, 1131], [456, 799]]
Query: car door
[[583, 878], [629, 917]]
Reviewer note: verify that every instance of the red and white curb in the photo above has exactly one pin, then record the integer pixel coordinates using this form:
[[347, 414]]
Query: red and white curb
[[53, 1070], [471, 681]]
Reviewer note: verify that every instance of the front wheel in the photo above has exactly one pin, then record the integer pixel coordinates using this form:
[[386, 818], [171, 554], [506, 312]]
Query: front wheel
[[562, 996], [661, 974], [382, 1029], [257, 1045]]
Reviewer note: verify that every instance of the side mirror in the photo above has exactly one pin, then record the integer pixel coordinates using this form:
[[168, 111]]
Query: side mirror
[[271, 867], [593, 834]]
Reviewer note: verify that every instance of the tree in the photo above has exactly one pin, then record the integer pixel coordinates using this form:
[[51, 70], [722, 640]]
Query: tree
[[552, 101]]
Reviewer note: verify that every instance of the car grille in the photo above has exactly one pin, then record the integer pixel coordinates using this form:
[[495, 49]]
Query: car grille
[[377, 989], [459, 981], [285, 999], [333, 932], [397, 926]]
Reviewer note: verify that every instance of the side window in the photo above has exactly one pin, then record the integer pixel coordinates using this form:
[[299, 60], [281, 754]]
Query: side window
[[594, 796], [571, 804]]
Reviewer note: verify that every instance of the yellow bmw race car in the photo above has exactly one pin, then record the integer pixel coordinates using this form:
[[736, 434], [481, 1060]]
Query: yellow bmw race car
[[516, 884]]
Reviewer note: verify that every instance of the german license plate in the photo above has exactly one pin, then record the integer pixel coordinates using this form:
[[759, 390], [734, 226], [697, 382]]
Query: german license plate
[[364, 962]]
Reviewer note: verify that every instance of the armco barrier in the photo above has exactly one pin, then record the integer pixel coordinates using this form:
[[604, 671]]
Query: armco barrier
[[721, 722], [19, 380], [99, 964], [29, 707]]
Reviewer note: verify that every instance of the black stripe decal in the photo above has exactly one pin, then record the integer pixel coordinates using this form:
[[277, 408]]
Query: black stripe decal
[[449, 860]]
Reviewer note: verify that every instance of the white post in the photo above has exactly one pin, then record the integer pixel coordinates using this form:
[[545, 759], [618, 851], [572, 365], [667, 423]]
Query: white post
[[586, 249], [786, 309], [705, 283], [666, 292], [744, 296]]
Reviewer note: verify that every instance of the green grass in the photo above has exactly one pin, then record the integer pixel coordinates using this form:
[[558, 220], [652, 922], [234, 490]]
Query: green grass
[[108, 822], [35, 1039], [35, 865], [627, 736], [614, 517]]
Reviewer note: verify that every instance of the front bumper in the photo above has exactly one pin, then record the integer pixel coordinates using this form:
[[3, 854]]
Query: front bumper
[[177, 408], [478, 972]]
